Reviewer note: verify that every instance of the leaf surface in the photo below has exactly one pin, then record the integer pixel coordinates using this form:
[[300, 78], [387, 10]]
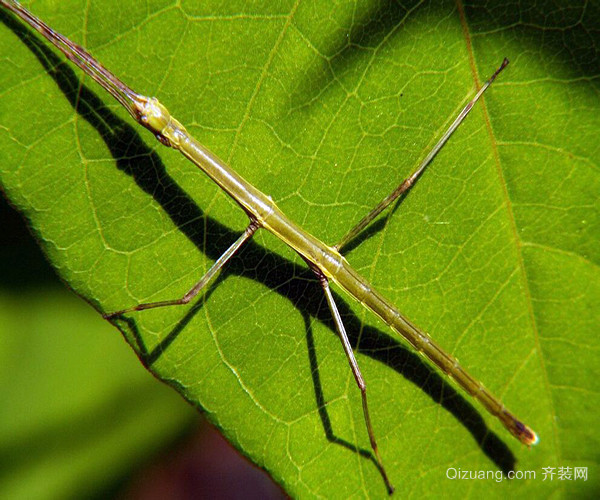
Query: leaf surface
[[326, 107]]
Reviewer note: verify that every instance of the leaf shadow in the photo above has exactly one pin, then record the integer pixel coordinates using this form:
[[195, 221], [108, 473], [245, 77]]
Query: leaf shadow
[[343, 52], [282, 276], [542, 25]]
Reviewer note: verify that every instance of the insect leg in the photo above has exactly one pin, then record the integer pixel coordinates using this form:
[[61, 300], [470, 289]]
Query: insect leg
[[190, 294], [407, 183], [339, 325]]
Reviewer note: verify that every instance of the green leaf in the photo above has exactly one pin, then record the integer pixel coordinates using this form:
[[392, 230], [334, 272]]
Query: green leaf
[[73, 422], [326, 107]]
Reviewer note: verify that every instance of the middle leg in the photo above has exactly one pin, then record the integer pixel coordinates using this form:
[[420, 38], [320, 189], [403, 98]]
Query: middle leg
[[341, 330]]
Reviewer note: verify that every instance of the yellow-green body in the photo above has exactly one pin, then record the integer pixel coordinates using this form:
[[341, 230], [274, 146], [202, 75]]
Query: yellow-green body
[[264, 213], [262, 209]]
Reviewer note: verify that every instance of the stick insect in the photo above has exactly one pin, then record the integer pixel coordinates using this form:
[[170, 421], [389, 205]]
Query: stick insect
[[324, 260]]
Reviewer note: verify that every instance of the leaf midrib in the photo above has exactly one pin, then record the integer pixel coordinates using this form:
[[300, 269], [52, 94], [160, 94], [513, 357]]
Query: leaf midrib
[[513, 227]]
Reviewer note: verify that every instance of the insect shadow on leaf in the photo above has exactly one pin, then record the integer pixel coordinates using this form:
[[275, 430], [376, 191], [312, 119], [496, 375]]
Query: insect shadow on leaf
[[295, 283]]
